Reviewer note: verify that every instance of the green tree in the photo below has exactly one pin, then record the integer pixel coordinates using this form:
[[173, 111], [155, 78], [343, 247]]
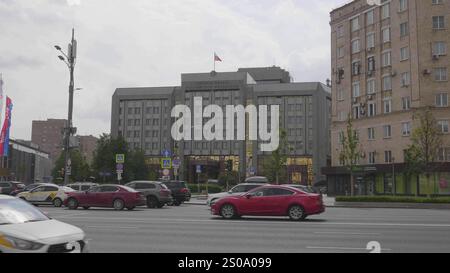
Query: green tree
[[80, 170], [275, 165], [426, 141], [350, 153]]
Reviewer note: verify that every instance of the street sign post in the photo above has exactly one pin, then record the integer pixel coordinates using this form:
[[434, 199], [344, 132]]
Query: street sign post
[[166, 153], [120, 158], [199, 171], [166, 163]]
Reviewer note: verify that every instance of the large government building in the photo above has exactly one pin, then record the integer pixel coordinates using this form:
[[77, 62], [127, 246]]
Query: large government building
[[143, 117], [389, 62]]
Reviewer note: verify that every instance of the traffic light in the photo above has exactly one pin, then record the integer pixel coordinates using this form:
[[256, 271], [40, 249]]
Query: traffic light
[[229, 165]]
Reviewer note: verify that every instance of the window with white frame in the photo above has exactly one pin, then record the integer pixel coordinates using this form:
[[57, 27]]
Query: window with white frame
[[440, 74], [371, 64], [404, 29], [342, 116], [356, 89], [443, 126], [405, 79], [340, 31], [387, 83], [371, 133], [372, 156], [356, 68], [406, 128], [340, 52], [356, 111], [442, 100], [439, 48], [387, 105], [356, 46], [404, 53], [387, 156], [386, 34], [387, 131], [406, 103], [437, 2], [340, 94], [371, 87], [438, 22], [403, 5], [386, 58]]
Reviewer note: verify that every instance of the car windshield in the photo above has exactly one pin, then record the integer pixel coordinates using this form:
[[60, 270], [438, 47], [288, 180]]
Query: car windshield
[[176, 185], [16, 211], [129, 189]]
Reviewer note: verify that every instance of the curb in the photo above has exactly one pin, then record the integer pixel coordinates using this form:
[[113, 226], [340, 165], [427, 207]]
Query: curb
[[390, 205]]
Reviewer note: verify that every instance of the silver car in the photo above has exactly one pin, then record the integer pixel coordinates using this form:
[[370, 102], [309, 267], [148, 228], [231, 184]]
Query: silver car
[[236, 190]]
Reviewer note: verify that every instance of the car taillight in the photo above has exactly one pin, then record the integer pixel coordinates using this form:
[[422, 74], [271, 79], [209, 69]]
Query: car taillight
[[164, 192], [184, 190]]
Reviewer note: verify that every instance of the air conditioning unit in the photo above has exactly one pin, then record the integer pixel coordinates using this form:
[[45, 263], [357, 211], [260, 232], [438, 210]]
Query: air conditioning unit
[[393, 73], [427, 72], [436, 57], [369, 97]]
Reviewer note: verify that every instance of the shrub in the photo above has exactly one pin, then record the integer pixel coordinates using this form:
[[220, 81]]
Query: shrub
[[394, 199], [211, 188]]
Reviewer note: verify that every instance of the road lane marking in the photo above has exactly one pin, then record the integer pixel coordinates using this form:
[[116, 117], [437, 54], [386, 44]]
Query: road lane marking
[[111, 227], [347, 233], [342, 248]]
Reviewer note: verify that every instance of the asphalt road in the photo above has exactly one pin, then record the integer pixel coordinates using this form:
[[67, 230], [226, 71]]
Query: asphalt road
[[191, 229]]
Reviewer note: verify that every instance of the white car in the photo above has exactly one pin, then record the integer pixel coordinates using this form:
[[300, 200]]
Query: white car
[[236, 190], [46, 194], [26, 229]]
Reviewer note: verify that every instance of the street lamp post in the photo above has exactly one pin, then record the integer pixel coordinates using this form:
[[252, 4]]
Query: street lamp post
[[394, 186], [69, 59]]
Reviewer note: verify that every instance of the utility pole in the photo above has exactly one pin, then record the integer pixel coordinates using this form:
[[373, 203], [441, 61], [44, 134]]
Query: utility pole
[[70, 60]]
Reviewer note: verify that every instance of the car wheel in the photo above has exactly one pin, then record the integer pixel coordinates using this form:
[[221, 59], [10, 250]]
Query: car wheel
[[57, 203], [297, 213], [152, 202], [228, 211], [118, 204], [130, 208], [177, 203], [86, 208], [72, 203]]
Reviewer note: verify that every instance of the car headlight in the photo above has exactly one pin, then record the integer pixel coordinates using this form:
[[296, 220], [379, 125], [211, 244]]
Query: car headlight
[[16, 243]]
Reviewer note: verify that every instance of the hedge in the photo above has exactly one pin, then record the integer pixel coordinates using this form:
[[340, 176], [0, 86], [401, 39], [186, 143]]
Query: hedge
[[211, 188], [394, 199]]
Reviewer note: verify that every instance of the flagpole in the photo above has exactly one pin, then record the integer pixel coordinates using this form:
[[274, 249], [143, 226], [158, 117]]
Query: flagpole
[[214, 58]]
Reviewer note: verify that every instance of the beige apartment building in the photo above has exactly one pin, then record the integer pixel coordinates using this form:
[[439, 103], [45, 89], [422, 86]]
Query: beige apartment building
[[389, 61]]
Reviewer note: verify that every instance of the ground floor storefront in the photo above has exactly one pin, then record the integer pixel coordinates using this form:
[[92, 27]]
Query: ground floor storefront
[[389, 180]]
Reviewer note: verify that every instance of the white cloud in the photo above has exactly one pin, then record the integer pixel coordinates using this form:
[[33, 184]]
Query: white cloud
[[148, 43]]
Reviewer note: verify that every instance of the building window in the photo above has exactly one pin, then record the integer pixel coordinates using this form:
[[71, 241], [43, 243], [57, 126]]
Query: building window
[[404, 29], [372, 156], [130, 122], [356, 90], [342, 116], [370, 41], [356, 46], [387, 83], [370, 17], [385, 11], [386, 34], [387, 105], [438, 22], [137, 111], [130, 111], [137, 134], [442, 100], [386, 58], [439, 48], [387, 131], [356, 68], [355, 24], [406, 103], [340, 94], [403, 5], [406, 128], [128, 134], [387, 156], [372, 109], [437, 2], [371, 87], [404, 53], [137, 122], [440, 74], [340, 52], [371, 64], [371, 133], [443, 125], [340, 31], [405, 79]]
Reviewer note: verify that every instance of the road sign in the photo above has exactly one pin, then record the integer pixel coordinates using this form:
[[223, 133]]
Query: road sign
[[119, 176], [166, 163], [119, 167], [120, 158], [199, 168], [166, 153], [166, 172], [176, 163]]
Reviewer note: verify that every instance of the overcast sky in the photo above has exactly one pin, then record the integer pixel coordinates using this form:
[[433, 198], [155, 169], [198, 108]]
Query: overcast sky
[[147, 43]]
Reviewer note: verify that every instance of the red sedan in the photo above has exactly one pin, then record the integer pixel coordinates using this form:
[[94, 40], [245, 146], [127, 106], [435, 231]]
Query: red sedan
[[270, 200], [107, 196]]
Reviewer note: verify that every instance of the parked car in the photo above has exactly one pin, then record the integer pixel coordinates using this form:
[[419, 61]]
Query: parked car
[[156, 193], [107, 196], [7, 187], [180, 191], [82, 186], [236, 190], [46, 194], [270, 200], [27, 188], [257, 179], [25, 229]]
